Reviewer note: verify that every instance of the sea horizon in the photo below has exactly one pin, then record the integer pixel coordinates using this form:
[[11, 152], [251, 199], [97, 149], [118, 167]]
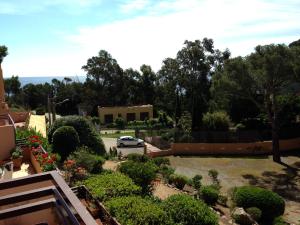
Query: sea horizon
[[46, 79]]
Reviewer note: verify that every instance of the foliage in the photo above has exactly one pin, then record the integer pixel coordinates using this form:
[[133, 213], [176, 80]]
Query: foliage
[[47, 161], [178, 180], [186, 210], [40, 111], [65, 141], [135, 210], [159, 161], [111, 185], [120, 123], [166, 171], [91, 162], [279, 221], [33, 138], [258, 123], [16, 153], [3, 52], [141, 173], [138, 157], [87, 134], [197, 181], [216, 121], [270, 203], [254, 212], [213, 174], [210, 194]]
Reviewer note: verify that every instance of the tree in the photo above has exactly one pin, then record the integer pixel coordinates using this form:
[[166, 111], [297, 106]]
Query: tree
[[12, 85], [261, 77], [3, 54], [148, 79], [198, 60]]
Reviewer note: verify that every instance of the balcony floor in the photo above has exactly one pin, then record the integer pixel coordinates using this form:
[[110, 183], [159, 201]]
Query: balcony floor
[[26, 169]]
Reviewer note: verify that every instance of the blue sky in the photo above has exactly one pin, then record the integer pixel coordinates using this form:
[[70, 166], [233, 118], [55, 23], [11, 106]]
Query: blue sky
[[56, 37]]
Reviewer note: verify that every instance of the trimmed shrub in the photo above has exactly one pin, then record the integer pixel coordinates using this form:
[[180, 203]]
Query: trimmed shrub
[[120, 123], [65, 141], [178, 180], [216, 121], [254, 212], [166, 171], [209, 195], [279, 221], [270, 203], [197, 181], [135, 210], [40, 111], [161, 161], [87, 134], [185, 210], [138, 157], [91, 162], [111, 185], [141, 173]]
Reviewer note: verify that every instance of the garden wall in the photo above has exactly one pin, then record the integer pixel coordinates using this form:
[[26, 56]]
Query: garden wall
[[254, 148], [7, 141]]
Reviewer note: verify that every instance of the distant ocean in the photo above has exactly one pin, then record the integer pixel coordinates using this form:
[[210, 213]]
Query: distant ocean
[[42, 80]]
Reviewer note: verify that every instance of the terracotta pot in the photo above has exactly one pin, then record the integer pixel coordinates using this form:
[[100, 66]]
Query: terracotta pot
[[35, 164], [17, 162], [26, 152]]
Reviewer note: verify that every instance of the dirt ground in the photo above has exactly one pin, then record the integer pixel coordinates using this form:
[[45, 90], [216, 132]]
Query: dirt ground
[[260, 171]]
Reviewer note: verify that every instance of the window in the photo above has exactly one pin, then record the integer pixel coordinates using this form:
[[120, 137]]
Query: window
[[130, 117], [144, 116], [108, 118]]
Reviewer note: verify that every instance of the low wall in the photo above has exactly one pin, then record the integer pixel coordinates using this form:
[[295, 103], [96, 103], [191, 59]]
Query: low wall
[[19, 117], [7, 141], [254, 148]]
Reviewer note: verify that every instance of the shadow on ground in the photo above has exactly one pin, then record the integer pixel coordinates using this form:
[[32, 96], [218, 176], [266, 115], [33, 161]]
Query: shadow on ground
[[286, 182]]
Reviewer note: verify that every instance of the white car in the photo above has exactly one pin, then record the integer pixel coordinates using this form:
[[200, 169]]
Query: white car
[[129, 141]]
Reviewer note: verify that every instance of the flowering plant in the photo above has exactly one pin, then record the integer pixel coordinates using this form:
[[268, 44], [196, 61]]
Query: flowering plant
[[46, 160], [34, 141]]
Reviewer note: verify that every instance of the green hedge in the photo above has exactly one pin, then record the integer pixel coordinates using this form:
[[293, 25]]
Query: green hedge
[[141, 173], [87, 134], [65, 141], [185, 210], [91, 162], [209, 194], [178, 180], [135, 210], [111, 185], [270, 203]]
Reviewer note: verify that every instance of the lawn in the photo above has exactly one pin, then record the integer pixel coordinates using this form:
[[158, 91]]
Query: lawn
[[259, 171]]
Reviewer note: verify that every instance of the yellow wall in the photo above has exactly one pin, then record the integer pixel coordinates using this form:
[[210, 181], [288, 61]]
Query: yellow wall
[[122, 111]]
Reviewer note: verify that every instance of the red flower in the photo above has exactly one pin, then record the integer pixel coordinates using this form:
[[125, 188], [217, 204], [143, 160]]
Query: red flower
[[45, 155]]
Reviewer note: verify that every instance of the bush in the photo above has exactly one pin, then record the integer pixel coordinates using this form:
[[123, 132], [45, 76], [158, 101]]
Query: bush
[[87, 134], [91, 162], [141, 173], [166, 171], [178, 180], [197, 181], [213, 174], [111, 185], [40, 111], [185, 210], [209, 195], [216, 121], [159, 161], [120, 123], [270, 203], [259, 123], [138, 157], [254, 212], [65, 141], [135, 210], [279, 221]]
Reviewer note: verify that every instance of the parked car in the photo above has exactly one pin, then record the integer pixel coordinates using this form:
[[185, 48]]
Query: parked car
[[129, 141]]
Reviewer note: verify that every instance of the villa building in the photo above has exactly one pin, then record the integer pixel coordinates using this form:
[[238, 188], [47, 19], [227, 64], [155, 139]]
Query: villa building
[[128, 113]]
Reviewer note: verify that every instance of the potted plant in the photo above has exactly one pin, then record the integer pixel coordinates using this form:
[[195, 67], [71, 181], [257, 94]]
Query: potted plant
[[17, 157]]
